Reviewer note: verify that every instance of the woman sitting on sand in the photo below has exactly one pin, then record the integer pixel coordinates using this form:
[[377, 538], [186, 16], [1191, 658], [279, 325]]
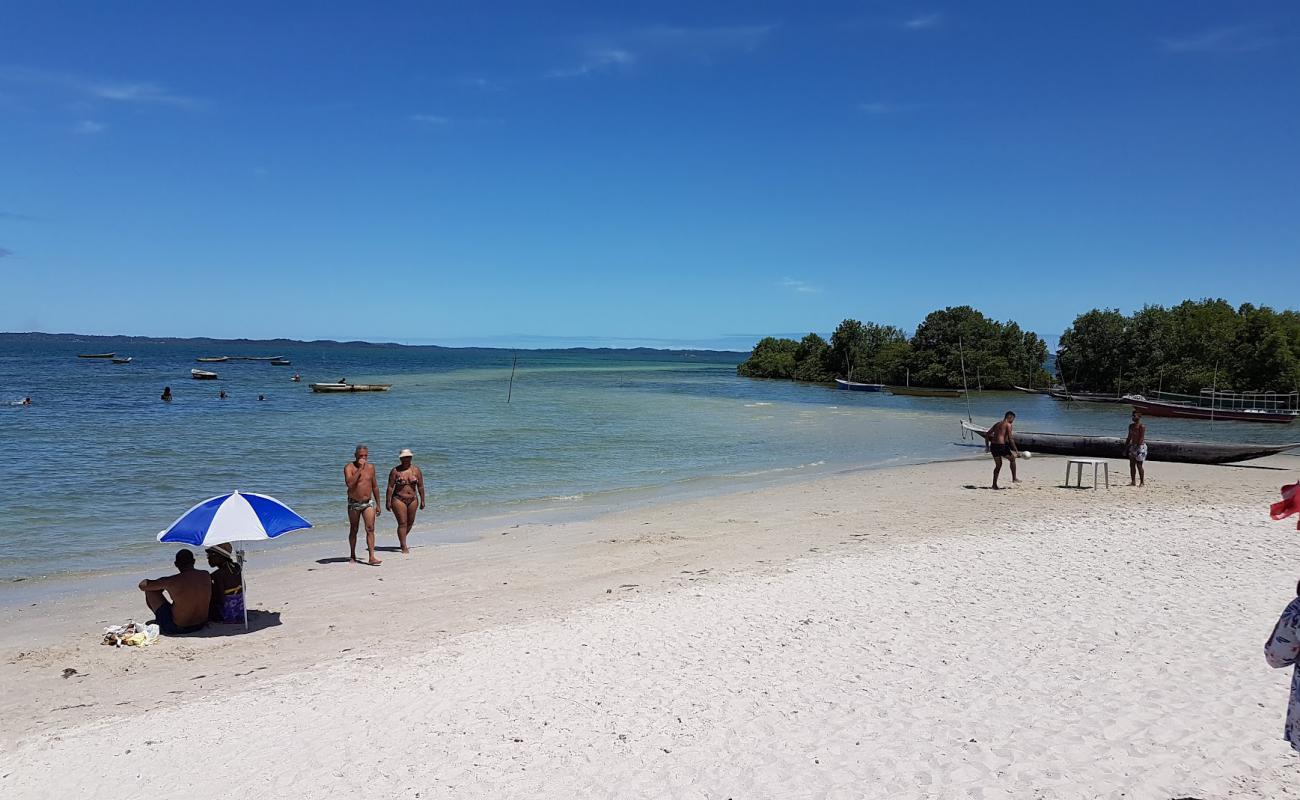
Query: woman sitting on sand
[[405, 490]]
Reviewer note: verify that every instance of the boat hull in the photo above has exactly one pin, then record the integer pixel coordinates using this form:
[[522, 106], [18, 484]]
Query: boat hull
[[854, 386], [95, 355], [1084, 397], [339, 388], [202, 375], [921, 391], [1155, 408], [213, 360], [1064, 444], [126, 360]]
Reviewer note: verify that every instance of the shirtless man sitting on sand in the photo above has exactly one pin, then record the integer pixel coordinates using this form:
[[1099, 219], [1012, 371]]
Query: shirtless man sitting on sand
[[363, 500], [190, 590], [1002, 444]]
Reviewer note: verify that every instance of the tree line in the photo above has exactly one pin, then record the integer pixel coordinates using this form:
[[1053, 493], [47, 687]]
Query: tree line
[[1194, 345], [1184, 348], [996, 355]]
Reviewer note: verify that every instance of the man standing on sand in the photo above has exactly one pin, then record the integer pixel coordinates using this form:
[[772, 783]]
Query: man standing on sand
[[363, 500], [1002, 444], [190, 590], [1135, 449]]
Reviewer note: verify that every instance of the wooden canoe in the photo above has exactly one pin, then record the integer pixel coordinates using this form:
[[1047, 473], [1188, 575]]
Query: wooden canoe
[[95, 355], [1066, 444], [854, 386], [126, 360], [923, 391], [212, 359], [334, 388], [202, 375], [1084, 397]]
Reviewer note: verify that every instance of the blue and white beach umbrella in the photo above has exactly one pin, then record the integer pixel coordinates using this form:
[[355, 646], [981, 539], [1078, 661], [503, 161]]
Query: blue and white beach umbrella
[[234, 517]]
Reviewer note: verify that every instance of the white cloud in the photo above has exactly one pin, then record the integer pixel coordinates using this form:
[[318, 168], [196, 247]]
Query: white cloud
[[89, 127], [662, 43], [93, 89], [803, 287], [1231, 39], [923, 21], [429, 119]]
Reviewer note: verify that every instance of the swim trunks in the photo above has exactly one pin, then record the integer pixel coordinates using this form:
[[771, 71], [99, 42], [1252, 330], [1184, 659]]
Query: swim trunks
[[166, 624], [1000, 450], [360, 505], [1138, 454]]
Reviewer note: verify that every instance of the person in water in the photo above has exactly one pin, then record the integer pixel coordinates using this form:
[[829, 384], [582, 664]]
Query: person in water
[[167, 394], [221, 395], [363, 496], [27, 401], [227, 603], [1002, 444], [180, 602], [405, 492], [1135, 449]]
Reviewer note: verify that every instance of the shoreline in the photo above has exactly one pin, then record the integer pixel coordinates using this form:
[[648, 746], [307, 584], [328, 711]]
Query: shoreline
[[864, 556], [331, 537]]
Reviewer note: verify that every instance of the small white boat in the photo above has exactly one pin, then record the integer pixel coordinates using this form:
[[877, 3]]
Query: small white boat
[[330, 388], [126, 360], [202, 375]]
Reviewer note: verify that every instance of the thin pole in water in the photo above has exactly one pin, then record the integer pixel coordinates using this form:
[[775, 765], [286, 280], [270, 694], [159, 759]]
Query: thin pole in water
[[1214, 391], [965, 389], [514, 362]]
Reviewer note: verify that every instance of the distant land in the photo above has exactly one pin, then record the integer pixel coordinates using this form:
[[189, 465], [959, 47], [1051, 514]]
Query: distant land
[[36, 337]]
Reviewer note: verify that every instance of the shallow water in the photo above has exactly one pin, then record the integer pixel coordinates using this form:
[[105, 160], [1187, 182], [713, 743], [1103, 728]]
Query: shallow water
[[98, 464]]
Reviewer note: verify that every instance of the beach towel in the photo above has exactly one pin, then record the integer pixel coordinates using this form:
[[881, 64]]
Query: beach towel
[[1290, 504], [132, 634]]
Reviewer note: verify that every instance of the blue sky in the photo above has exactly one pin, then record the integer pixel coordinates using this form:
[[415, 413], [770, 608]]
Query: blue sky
[[662, 173]]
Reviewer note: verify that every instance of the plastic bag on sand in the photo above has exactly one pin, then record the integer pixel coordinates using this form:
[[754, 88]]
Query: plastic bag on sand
[[132, 634]]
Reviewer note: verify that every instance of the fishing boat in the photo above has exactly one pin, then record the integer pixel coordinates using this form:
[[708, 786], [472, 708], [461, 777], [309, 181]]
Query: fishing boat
[[280, 362], [202, 375], [1165, 408], [256, 358], [1064, 444], [1084, 397], [212, 359], [95, 355], [1029, 391], [854, 386], [126, 360], [333, 388], [924, 391]]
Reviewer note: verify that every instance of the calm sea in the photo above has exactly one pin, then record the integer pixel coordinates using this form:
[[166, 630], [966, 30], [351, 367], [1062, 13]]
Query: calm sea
[[98, 464]]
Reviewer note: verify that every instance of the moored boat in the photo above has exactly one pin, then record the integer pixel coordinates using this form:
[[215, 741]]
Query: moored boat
[[126, 360], [1164, 408], [280, 362], [1084, 397], [854, 386], [1064, 444], [924, 391], [332, 388], [255, 358], [212, 359], [202, 375], [95, 355], [1029, 391]]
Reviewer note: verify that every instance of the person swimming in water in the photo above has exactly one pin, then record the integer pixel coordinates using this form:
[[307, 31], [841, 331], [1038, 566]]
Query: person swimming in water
[[167, 394]]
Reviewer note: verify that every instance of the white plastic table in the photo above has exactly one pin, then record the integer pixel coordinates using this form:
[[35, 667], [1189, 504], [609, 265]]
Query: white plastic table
[[1082, 462]]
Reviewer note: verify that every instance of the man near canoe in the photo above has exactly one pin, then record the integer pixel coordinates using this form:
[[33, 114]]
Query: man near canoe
[[1135, 449], [363, 500], [1002, 444]]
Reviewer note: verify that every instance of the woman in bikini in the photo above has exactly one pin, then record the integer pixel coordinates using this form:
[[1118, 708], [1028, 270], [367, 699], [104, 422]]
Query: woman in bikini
[[405, 491]]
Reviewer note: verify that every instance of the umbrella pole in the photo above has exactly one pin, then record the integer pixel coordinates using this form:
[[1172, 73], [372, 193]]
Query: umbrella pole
[[243, 586]]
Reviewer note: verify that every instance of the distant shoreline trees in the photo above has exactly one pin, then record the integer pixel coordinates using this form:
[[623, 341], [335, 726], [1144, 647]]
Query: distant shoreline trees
[[1184, 348], [1194, 345], [997, 355]]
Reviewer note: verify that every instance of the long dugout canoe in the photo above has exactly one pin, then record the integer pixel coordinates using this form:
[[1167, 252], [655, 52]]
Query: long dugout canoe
[[1065, 444]]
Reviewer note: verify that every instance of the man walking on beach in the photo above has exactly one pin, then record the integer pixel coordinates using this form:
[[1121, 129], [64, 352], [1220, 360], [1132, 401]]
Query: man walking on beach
[[1135, 449], [1002, 444], [363, 500], [190, 590]]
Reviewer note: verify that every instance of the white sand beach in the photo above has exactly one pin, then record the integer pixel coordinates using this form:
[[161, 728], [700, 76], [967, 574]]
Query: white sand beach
[[893, 633]]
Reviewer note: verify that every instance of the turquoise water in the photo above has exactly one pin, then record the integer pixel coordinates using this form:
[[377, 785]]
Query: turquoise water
[[98, 464]]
